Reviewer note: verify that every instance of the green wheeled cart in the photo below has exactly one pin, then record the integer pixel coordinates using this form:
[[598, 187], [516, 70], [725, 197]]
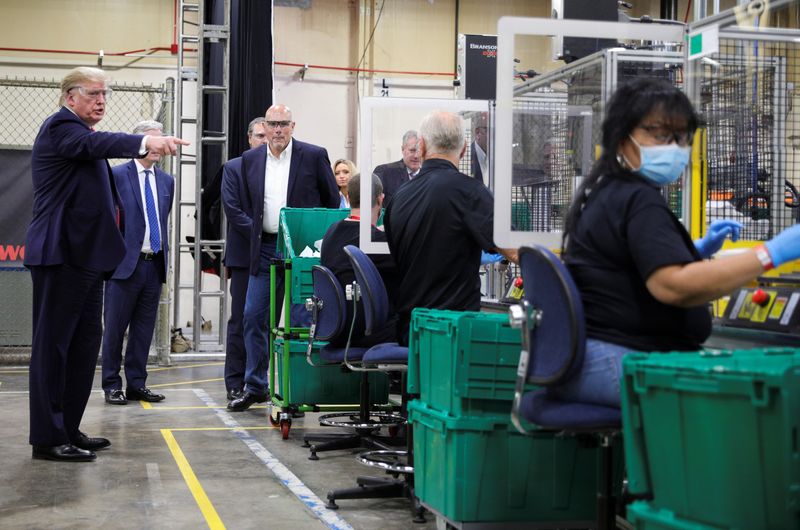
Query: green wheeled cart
[[301, 381]]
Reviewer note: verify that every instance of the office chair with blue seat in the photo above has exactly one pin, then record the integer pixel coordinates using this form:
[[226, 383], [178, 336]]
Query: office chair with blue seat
[[553, 344], [328, 320], [369, 287]]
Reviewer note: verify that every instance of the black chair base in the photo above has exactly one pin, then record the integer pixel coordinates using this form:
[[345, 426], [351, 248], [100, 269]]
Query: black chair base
[[379, 488], [360, 440], [365, 435]]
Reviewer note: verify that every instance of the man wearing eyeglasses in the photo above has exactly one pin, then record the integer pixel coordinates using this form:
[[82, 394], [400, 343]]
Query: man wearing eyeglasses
[[74, 240], [237, 258], [284, 172]]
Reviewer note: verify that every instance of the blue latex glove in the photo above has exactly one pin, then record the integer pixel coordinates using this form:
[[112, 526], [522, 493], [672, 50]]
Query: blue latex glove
[[785, 246], [487, 258], [715, 237]]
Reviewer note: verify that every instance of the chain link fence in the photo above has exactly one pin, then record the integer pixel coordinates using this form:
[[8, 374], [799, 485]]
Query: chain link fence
[[24, 105]]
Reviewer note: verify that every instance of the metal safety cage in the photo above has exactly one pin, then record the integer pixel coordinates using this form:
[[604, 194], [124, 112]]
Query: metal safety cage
[[557, 124], [548, 128], [743, 71]]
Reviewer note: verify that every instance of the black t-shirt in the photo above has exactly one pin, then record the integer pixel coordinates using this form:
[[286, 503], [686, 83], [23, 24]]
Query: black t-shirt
[[332, 255], [437, 224], [625, 232]]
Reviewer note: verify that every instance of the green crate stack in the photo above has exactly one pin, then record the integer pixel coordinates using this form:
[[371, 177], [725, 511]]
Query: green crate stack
[[463, 362], [480, 469], [713, 435], [300, 228], [642, 516], [323, 385]]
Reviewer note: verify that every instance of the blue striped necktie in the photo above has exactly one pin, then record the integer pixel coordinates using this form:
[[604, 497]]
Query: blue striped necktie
[[152, 218]]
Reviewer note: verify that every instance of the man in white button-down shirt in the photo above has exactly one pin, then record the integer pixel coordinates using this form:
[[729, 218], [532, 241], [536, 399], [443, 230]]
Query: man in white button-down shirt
[[285, 172]]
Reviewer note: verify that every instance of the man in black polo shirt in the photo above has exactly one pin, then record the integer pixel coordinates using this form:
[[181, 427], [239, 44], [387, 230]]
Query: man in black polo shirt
[[333, 256], [437, 224]]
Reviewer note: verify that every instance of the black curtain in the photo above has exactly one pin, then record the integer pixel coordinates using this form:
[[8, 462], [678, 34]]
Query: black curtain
[[250, 68], [250, 90], [249, 96]]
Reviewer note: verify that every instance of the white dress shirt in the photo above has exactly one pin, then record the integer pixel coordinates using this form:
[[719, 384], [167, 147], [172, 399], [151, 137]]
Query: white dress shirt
[[276, 187], [140, 171]]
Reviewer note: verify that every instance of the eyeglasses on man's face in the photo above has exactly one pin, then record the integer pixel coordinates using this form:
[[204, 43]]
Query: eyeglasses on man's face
[[278, 124], [663, 135], [93, 93]]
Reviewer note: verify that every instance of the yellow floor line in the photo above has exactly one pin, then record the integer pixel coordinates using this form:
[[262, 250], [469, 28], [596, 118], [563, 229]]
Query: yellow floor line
[[147, 405], [176, 367], [259, 428], [13, 371], [200, 497], [187, 382]]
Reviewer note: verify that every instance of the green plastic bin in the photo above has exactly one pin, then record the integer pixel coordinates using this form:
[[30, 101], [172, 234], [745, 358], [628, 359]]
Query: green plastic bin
[[714, 435], [463, 362], [300, 228], [480, 469], [642, 516], [322, 385]]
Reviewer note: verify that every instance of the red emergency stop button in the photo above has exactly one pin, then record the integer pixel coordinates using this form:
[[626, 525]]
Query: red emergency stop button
[[760, 297]]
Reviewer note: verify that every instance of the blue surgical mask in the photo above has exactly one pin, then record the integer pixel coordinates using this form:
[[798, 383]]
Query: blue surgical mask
[[662, 164]]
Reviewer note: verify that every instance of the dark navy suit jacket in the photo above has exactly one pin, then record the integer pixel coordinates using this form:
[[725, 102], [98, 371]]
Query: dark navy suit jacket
[[74, 198], [311, 185], [240, 224], [392, 176], [127, 181]]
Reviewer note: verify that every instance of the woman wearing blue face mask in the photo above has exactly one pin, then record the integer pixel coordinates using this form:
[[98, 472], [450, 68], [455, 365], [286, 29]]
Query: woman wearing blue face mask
[[644, 283]]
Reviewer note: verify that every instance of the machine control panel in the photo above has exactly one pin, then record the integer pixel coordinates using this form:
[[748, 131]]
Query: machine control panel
[[770, 308]]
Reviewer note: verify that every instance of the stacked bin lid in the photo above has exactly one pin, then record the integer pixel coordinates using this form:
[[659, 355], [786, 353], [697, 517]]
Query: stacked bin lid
[[713, 436]]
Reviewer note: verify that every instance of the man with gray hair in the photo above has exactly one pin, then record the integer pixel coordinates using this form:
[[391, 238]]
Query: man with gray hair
[[134, 289], [398, 173], [73, 242], [437, 225]]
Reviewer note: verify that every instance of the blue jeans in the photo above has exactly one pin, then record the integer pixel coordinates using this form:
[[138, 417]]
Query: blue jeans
[[256, 320], [599, 378]]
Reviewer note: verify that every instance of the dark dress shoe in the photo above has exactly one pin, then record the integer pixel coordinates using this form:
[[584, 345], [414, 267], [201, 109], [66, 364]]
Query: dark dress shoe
[[143, 394], [235, 394], [116, 397], [245, 401], [62, 453], [89, 444]]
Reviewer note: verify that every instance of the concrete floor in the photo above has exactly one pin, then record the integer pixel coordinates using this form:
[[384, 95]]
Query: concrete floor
[[183, 463]]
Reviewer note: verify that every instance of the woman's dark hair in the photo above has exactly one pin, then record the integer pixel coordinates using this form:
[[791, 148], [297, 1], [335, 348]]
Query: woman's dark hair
[[627, 107]]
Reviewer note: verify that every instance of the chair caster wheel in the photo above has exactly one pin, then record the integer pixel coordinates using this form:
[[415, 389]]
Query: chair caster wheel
[[305, 445], [313, 456], [331, 505]]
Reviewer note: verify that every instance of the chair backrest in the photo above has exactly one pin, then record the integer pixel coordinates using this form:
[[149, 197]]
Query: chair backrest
[[373, 291], [332, 314], [557, 341]]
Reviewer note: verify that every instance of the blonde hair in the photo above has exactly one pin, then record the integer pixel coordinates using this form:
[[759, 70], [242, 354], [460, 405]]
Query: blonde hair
[[350, 165], [79, 75]]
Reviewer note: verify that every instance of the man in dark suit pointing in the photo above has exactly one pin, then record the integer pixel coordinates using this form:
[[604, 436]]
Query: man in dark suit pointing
[[284, 172], [73, 240], [133, 291]]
